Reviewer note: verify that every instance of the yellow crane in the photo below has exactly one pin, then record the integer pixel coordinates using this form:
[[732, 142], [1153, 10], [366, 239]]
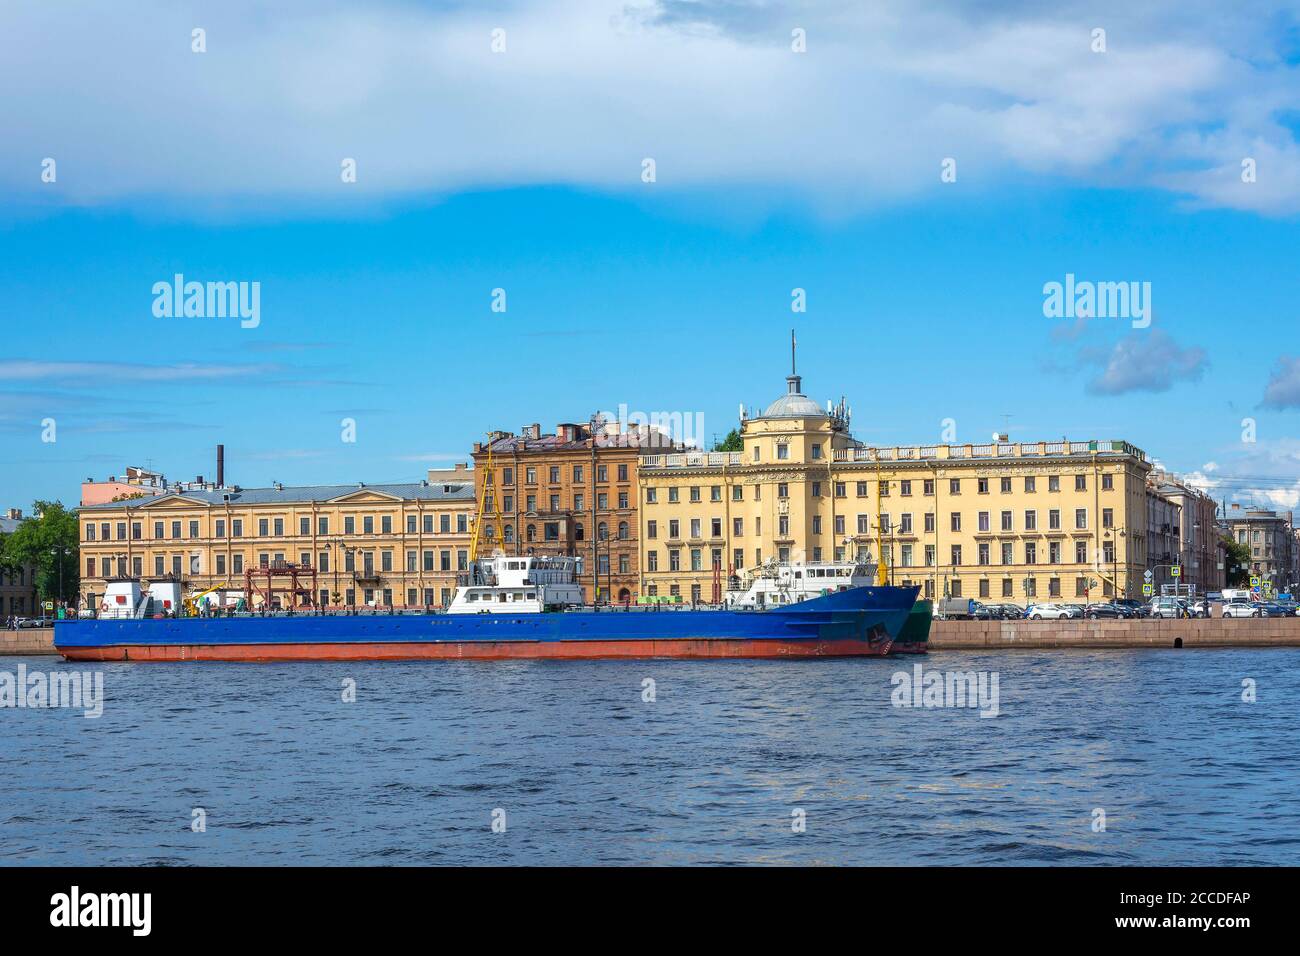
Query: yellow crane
[[489, 491], [192, 602]]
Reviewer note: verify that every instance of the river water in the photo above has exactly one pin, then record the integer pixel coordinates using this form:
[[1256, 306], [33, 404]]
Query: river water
[[1103, 757]]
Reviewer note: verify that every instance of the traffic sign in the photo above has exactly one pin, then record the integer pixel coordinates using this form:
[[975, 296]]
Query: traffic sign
[[1254, 580], [1176, 572], [1146, 590], [48, 605], [1147, 574]]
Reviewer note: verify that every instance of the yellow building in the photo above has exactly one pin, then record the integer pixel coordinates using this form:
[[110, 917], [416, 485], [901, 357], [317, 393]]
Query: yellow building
[[398, 545], [1013, 521]]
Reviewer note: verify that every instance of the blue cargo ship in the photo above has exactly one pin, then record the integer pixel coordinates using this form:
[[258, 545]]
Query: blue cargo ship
[[512, 607]]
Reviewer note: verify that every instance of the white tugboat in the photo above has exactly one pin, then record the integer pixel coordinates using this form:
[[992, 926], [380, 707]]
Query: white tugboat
[[518, 584], [776, 585]]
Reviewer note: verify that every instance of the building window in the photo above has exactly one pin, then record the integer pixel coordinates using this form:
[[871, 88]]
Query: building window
[[955, 521], [1107, 482], [956, 555], [1080, 482], [982, 486], [1081, 518], [1053, 482], [954, 486]]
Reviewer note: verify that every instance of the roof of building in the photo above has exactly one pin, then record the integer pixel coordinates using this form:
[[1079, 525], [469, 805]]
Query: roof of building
[[794, 403], [414, 491]]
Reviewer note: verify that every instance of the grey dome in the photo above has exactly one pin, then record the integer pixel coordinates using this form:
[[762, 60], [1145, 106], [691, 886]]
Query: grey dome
[[794, 404]]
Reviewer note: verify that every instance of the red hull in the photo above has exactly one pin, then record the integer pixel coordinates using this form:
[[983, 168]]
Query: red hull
[[477, 650], [911, 647]]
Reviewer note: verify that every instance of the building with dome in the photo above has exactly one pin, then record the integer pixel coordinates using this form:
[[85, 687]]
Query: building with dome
[[998, 521]]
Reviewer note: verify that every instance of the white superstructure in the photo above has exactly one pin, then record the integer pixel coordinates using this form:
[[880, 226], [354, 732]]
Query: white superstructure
[[518, 584], [776, 584]]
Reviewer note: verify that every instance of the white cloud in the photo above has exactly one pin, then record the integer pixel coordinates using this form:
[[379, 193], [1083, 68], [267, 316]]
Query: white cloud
[[74, 373], [1147, 361], [587, 89], [1283, 389]]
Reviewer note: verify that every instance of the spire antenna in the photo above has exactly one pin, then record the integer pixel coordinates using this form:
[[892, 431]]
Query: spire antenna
[[792, 344]]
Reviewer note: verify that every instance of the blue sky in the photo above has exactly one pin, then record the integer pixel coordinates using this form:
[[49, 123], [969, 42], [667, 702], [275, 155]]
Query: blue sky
[[924, 298]]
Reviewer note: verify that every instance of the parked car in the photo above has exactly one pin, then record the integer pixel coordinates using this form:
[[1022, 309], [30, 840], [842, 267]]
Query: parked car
[[1170, 608], [1273, 609], [1199, 608], [1134, 607], [985, 612], [1241, 609], [1010, 612], [1053, 612], [1102, 609]]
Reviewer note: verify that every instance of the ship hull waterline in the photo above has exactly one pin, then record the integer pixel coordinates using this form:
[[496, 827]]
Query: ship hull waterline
[[484, 650]]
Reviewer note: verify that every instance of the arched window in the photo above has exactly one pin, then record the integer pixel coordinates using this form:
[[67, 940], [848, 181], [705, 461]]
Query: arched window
[[578, 533], [622, 531], [531, 532], [490, 531], [602, 531], [508, 533]]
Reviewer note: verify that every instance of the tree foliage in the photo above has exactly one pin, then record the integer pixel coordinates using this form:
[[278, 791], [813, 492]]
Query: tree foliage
[[733, 442], [48, 542], [1236, 562]]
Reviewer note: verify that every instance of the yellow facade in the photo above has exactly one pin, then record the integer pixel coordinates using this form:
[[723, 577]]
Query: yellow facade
[[1019, 522], [400, 545]]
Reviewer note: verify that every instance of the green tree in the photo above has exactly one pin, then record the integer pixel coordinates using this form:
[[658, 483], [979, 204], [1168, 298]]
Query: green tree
[[1236, 562], [48, 542], [733, 442]]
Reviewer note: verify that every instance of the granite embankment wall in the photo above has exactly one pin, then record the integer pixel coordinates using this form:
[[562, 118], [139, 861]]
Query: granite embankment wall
[[1207, 632], [33, 640]]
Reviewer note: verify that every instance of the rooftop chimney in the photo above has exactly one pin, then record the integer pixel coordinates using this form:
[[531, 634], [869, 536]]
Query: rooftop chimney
[[221, 466]]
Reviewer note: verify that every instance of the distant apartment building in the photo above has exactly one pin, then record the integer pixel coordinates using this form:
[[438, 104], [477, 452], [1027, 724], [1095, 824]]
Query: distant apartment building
[[395, 544], [1271, 538], [1019, 521], [1164, 538], [1194, 544], [17, 587], [568, 492]]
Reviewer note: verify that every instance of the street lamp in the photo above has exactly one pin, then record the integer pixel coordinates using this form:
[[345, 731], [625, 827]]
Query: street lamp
[[59, 554], [1115, 534]]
